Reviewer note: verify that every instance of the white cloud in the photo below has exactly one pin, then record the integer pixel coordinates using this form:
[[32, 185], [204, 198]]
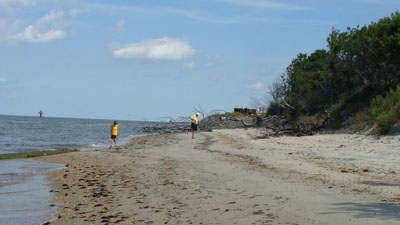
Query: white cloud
[[201, 15], [210, 64], [3, 80], [8, 10], [43, 30], [120, 25], [257, 86], [77, 12], [31, 35], [74, 12], [11, 95], [191, 65], [9, 7], [53, 15], [264, 4], [157, 49], [196, 65], [377, 1], [187, 13]]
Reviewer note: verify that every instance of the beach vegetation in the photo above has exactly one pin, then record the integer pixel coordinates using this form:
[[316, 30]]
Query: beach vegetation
[[24, 155], [386, 110], [232, 114], [362, 121]]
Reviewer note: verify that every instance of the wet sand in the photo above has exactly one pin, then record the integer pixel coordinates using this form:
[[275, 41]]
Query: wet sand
[[230, 177]]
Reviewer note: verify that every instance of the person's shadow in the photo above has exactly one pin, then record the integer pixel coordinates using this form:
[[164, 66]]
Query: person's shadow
[[383, 211]]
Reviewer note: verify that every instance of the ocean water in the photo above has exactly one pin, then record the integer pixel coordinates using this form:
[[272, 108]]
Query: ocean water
[[24, 192], [24, 133]]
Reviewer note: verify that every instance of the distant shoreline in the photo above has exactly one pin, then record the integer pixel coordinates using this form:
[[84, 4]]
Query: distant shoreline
[[78, 118]]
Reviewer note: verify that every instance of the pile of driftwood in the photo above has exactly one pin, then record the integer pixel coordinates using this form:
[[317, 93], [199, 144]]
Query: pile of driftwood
[[305, 126], [271, 125], [226, 122], [276, 126], [167, 127]]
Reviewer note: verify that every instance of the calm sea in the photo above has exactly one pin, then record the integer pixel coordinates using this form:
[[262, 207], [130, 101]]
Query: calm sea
[[25, 133], [24, 190]]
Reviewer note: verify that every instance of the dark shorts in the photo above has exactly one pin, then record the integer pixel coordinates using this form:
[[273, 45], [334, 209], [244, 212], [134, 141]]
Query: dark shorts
[[194, 126], [113, 136]]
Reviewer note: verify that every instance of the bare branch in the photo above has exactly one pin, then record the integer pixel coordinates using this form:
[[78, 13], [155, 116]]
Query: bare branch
[[199, 110]]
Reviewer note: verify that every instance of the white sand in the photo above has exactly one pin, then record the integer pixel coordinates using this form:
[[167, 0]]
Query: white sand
[[228, 177]]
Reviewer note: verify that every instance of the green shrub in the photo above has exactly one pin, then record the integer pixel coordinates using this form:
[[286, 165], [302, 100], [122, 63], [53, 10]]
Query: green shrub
[[362, 120], [275, 109], [232, 114], [386, 110], [335, 115]]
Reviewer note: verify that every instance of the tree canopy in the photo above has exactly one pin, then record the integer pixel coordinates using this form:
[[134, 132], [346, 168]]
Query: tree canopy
[[358, 65]]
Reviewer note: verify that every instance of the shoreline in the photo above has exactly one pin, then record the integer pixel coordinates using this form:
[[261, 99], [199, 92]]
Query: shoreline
[[25, 192], [229, 176], [16, 173], [17, 178], [39, 153]]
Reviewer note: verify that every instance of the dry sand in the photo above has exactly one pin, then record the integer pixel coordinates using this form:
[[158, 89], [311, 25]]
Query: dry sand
[[230, 177]]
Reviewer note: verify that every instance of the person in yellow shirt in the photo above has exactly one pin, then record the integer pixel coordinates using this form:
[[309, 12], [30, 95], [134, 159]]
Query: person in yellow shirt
[[195, 122], [114, 133]]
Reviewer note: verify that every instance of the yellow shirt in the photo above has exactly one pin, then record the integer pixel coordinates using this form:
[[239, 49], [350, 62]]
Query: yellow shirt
[[114, 129], [195, 119]]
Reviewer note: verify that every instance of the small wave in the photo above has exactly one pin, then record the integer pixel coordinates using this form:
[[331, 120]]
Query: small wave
[[96, 145], [137, 135]]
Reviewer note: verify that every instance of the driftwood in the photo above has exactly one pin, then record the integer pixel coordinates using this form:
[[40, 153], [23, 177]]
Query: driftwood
[[226, 122], [170, 127], [182, 124], [294, 130], [273, 125], [305, 126]]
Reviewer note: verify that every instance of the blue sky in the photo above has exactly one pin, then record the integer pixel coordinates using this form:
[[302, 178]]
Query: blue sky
[[143, 60]]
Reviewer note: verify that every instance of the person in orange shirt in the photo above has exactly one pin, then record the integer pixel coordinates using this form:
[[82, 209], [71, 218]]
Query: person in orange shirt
[[195, 122], [114, 133]]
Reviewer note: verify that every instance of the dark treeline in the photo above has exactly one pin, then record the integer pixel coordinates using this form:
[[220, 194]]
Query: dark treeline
[[349, 81]]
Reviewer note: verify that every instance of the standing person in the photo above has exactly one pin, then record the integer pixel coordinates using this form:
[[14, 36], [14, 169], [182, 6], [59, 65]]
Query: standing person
[[114, 133], [195, 122]]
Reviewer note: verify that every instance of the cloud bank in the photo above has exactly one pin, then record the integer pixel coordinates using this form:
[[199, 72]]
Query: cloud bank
[[156, 49]]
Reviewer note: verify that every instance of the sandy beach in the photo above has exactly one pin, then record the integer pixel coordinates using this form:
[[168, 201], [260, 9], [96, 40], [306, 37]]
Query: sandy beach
[[231, 177]]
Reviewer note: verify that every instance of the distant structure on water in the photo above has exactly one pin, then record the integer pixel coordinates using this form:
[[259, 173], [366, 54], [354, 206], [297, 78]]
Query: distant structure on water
[[40, 113]]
